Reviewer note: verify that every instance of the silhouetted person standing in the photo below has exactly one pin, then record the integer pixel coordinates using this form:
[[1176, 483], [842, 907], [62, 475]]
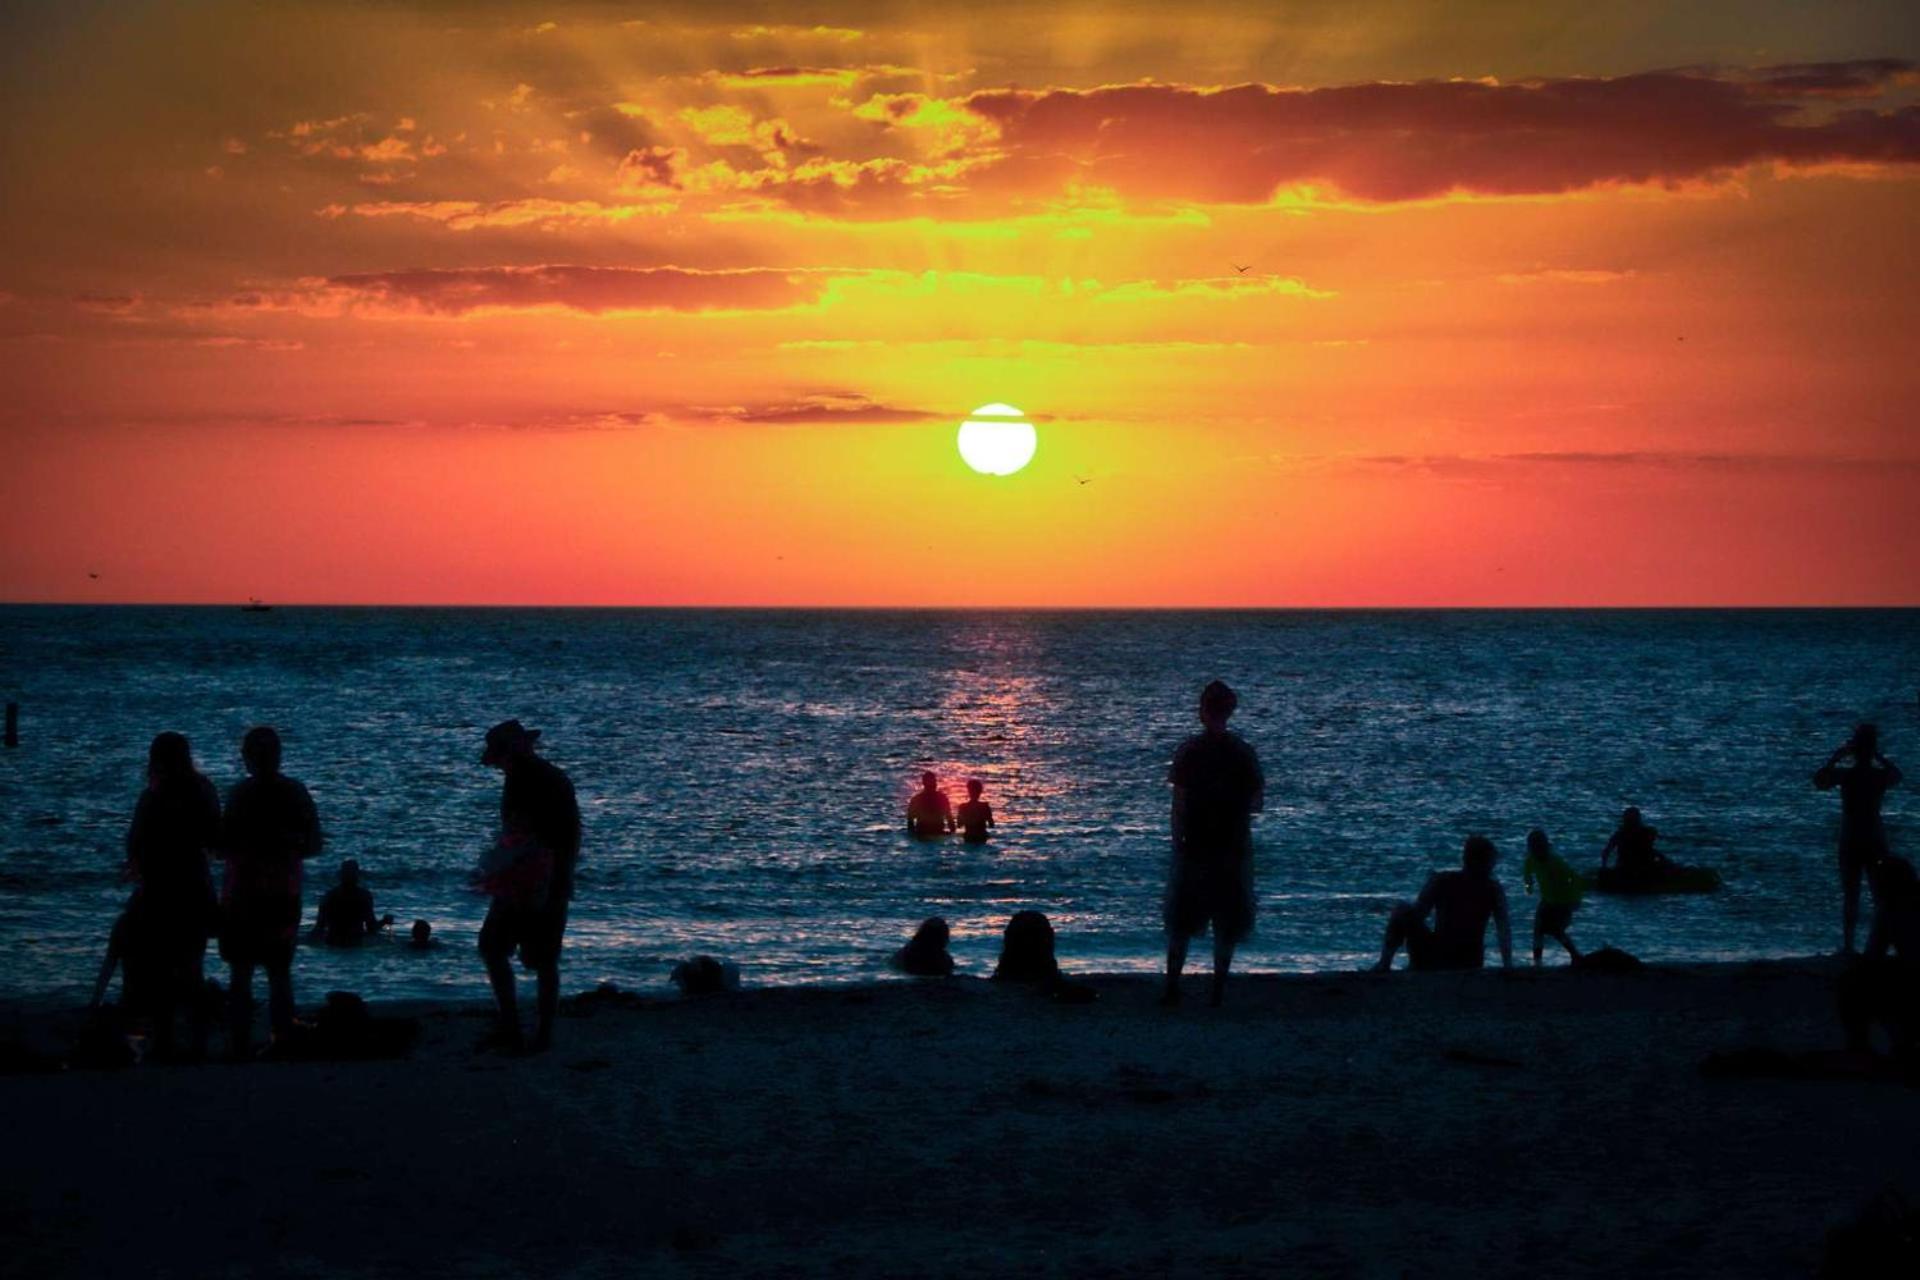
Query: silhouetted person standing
[[1863, 837], [269, 831], [929, 813], [975, 816], [1561, 889], [1217, 788], [533, 882], [164, 935], [346, 912], [1883, 985], [1460, 902]]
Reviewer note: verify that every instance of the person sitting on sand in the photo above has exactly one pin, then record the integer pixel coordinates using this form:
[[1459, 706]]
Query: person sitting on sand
[[1632, 842], [975, 816], [269, 830], [929, 813], [170, 914], [925, 955], [1217, 788], [346, 914], [532, 883], [420, 937], [1863, 837], [1561, 889], [1460, 903]]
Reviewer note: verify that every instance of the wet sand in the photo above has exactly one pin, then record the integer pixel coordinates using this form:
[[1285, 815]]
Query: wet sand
[[1430, 1125]]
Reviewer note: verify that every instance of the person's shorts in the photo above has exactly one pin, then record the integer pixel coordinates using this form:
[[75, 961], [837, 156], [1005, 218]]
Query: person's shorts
[[1553, 917], [1203, 892], [534, 932], [1862, 850], [1428, 952], [259, 933]]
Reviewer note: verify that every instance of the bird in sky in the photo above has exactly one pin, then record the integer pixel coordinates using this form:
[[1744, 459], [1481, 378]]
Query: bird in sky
[[1242, 270], [92, 574], [1083, 479]]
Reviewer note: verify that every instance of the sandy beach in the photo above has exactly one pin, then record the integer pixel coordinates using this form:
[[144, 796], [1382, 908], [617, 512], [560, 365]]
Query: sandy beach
[[1425, 1125]]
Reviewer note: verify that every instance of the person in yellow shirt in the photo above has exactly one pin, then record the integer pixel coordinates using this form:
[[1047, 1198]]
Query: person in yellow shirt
[[1561, 889]]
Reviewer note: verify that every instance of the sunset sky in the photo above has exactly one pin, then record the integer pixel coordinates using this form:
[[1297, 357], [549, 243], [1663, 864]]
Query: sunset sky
[[683, 304]]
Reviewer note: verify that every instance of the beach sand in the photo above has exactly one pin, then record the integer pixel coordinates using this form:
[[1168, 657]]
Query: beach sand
[[1429, 1125]]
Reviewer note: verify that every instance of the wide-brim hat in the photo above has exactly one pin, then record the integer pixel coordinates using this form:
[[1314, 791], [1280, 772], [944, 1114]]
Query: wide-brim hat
[[504, 738]]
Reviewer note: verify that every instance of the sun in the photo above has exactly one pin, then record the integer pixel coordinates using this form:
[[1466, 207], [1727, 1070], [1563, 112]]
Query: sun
[[997, 440]]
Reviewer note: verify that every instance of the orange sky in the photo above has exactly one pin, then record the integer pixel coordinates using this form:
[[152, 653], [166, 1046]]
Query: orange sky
[[683, 304]]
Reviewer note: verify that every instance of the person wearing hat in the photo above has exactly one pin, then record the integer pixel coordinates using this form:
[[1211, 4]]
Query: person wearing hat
[[531, 882], [1217, 788]]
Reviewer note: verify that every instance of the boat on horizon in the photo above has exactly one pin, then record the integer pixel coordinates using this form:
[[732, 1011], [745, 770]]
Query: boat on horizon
[[255, 605]]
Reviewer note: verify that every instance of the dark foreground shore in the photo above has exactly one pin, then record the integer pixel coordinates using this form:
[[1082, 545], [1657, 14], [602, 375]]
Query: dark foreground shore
[[1426, 1125]]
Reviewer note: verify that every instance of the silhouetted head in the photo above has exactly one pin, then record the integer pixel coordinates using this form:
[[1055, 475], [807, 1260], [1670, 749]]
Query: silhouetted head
[[1631, 818], [1538, 844], [421, 933], [1866, 741], [261, 751], [1217, 704], [1026, 950], [350, 873], [169, 759], [974, 788], [932, 934], [507, 742], [1478, 856], [928, 782]]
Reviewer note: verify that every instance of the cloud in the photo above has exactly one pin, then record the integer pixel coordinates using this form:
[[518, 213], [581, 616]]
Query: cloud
[[471, 215], [1394, 141], [1565, 275], [592, 290], [1644, 459], [818, 409], [1863, 78], [645, 168]]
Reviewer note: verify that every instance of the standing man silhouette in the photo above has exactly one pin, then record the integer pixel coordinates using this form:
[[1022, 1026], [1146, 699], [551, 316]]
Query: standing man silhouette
[[269, 830], [1863, 837], [1217, 788], [532, 881]]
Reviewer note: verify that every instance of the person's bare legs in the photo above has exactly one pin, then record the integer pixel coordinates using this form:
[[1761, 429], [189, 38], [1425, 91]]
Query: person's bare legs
[[1176, 961], [1849, 902], [1559, 936], [1222, 961], [505, 994], [547, 1005], [1539, 941], [1399, 923], [240, 1010], [280, 998]]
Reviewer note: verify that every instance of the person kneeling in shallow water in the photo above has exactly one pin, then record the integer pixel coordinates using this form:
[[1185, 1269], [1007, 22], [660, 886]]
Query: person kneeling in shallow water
[[1460, 903], [925, 956], [346, 918], [420, 937]]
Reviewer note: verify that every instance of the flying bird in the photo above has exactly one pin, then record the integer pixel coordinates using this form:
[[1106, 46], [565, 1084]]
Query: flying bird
[[1083, 479], [1242, 270], [92, 574]]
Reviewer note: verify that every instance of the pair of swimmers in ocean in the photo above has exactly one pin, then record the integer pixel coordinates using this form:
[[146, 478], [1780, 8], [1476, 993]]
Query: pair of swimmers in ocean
[[931, 815]]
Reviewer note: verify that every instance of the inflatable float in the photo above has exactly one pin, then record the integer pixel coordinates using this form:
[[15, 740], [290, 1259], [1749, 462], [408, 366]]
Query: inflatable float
[[1669, 879]]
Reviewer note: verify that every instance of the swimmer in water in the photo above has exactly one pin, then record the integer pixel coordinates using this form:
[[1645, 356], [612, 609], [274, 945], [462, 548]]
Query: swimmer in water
[[929, 813], [976, 815]]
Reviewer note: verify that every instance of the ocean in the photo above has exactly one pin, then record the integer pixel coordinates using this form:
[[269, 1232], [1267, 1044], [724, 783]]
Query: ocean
[[743, 773]]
